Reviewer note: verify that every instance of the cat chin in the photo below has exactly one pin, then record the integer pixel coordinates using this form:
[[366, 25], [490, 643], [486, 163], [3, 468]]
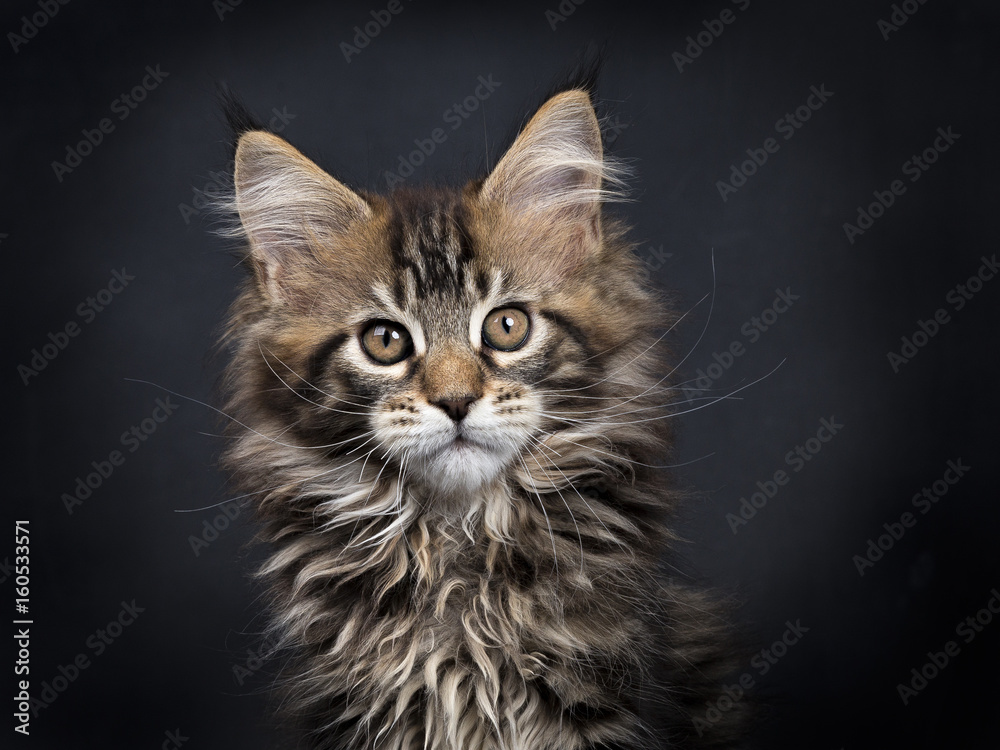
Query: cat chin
[[462, 467]]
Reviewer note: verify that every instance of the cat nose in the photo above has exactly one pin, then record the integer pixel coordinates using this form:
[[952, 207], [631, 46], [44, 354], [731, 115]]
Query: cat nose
[[456, 408]]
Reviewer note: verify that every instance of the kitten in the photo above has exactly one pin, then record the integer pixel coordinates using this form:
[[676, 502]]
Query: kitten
[[449, 405]]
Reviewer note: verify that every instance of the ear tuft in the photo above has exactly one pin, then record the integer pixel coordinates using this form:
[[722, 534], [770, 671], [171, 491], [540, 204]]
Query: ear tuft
[[557, 161], [239, 118], [290, 211], [546, 193]]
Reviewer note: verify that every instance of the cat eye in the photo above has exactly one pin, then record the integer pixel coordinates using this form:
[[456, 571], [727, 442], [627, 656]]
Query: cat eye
[[506, 329], [387, 343]]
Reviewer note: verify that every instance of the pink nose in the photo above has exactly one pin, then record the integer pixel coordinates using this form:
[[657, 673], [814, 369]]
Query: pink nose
[[456, 408]]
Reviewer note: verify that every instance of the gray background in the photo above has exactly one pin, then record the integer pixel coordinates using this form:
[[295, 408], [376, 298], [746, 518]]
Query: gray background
[[60, 241]]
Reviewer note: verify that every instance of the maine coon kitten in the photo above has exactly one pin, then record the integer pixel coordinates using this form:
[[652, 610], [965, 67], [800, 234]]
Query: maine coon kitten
[[449, 404]]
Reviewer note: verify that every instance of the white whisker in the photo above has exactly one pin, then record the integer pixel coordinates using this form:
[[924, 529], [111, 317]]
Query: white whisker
[[593, 514], [579, 536], [314, 403], [235, 420], [548, 523]]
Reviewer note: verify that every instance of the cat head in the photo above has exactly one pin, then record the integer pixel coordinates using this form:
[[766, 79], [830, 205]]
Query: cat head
[[444, 332]]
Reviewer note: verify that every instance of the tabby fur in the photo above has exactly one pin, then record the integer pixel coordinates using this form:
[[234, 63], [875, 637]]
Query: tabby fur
[[501, 592]]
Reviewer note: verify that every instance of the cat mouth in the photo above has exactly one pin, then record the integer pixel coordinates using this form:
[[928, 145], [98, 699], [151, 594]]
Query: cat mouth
[[462, 442]]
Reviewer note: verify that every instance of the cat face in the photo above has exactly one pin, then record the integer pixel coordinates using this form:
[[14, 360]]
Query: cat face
[[457, 406], [444, 332], [447, 351]]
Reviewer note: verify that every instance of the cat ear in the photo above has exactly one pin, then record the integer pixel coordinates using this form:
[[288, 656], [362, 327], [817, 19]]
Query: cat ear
[[290, 211], [552, 181]]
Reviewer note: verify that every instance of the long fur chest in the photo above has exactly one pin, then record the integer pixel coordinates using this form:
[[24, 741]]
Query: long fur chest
[[459, 635]]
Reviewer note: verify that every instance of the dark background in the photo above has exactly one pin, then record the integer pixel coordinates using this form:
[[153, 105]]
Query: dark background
[[173, 668]]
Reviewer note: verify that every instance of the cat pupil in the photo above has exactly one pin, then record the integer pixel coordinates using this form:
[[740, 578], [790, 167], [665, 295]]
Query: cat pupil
[[386, 334], [508, 323]]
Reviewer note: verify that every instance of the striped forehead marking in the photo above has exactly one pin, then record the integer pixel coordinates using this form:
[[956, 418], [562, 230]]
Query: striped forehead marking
[[431, 249]]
